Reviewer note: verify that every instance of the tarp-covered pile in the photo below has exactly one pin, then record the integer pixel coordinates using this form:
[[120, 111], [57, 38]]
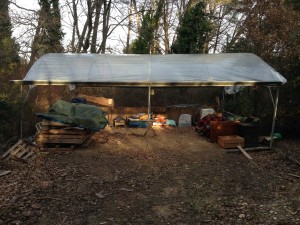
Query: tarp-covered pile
[[77, 115], [69, 124]]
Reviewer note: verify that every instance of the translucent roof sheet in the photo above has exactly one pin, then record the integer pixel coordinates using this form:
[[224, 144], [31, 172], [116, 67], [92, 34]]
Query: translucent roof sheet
[[152, 70]]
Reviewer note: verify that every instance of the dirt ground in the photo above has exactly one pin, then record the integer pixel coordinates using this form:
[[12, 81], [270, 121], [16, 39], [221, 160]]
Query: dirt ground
[[173, 177]]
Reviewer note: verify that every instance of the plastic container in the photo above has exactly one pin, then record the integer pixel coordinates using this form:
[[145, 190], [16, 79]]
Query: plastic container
[[137, 123], [277, 136], [185, 120], [207, 111]]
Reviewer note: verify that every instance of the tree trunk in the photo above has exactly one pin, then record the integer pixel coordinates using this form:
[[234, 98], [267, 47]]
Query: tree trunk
[[129, 28], [106, 15], [75, 26], [220, 19], [137, 15], [166, 27], [87, 29], [34, 50], [86, 44], [99, 4]]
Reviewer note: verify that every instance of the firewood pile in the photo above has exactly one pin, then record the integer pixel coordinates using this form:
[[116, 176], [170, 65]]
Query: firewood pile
[[59, 135]]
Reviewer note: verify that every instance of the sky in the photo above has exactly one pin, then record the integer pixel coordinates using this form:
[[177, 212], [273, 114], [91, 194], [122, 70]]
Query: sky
[[29, 4], [113, 41]]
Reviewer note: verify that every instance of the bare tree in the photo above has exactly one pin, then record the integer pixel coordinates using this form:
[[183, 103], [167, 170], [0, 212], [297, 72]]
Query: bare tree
[[105, 26], [98, 25], [25, 26], [137, 15], [99, 4]]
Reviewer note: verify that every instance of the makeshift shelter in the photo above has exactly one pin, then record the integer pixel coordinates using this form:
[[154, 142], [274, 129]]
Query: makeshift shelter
[[174, 70]]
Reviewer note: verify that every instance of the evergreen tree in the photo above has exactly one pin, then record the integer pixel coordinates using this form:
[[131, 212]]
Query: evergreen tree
[[192, 30], [49, 33], [9, 61], [9, 57], [145, 43]]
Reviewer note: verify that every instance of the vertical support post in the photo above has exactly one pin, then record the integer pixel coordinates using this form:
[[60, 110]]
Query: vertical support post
[[274, 116], [149, 102], [112, 108], [271, 96], [149, 89], [21, 116], [223, 101]]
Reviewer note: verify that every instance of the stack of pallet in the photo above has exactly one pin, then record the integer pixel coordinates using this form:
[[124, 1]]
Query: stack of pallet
[[58, 135]]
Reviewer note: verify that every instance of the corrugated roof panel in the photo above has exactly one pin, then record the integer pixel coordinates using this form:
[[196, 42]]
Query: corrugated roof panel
[[152, 70]]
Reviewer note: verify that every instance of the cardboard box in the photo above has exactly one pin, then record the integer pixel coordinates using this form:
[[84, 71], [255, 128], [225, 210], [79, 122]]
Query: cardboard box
[[231, 141], [222, 128]]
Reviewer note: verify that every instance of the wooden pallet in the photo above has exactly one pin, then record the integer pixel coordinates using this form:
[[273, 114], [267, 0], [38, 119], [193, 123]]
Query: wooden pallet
[[52, 134], [21, 150]]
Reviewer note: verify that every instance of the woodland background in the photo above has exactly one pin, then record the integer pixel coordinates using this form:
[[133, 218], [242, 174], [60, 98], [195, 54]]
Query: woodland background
[[267, 28]]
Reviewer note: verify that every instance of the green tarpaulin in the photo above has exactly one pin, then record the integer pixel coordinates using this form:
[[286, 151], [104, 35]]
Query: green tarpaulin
[[76, 114]]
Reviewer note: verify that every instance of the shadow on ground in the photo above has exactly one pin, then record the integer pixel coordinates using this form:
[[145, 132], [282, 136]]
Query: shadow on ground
[[172, 176]]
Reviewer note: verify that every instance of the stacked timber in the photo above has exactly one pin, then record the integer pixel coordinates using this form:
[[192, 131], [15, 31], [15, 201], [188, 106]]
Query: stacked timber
[[60, 135], [98, 101]]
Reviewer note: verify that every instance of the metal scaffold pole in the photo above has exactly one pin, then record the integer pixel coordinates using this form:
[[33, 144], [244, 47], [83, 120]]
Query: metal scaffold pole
[[274, 116], [149, 102]]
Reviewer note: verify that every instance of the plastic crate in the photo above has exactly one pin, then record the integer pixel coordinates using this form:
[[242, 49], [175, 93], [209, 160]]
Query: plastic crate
[[185, 120], [137, 123]]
